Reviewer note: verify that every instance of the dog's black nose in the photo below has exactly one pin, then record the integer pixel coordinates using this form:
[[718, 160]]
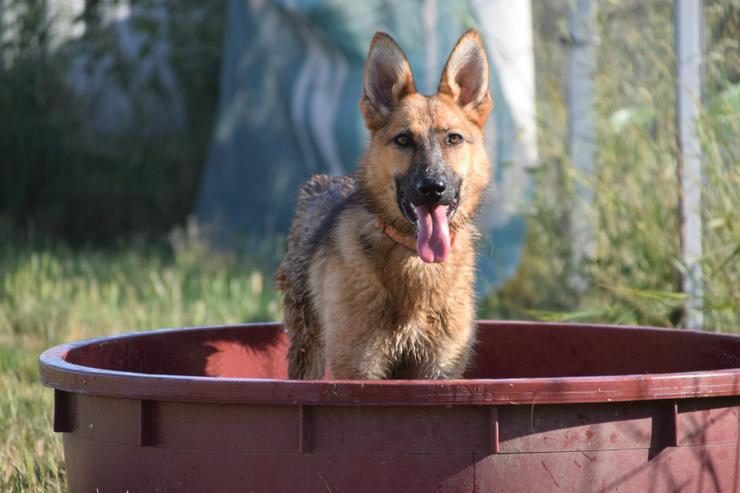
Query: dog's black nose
[[431, 188]]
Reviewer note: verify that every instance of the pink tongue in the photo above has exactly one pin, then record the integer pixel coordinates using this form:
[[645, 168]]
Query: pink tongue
[[433, 240]]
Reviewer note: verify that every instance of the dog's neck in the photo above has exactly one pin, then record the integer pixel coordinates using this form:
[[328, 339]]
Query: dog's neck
[[405, 240], [402, 239]]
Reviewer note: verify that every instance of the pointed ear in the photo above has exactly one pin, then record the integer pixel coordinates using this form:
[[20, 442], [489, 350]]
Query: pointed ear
[[465, 77], [388, 80]]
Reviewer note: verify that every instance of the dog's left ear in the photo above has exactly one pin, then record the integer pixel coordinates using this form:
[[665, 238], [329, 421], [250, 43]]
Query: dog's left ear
[[465, 77]]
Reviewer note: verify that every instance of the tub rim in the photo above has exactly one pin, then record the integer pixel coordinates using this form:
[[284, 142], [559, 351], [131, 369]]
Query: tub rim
[[61, 375]]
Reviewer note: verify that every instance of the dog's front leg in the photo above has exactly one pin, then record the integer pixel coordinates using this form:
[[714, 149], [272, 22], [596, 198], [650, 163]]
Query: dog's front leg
[[356, 354], [448, 356], [439, 369]]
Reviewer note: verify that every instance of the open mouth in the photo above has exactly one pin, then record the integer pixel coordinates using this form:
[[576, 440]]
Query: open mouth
[[409, 211], [432, 224]]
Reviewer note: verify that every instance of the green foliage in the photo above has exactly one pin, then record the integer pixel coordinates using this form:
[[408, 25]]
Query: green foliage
[[634, 275], [61, 174]]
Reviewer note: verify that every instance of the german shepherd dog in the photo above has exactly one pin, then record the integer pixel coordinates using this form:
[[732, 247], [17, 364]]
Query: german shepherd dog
[[378, 278]]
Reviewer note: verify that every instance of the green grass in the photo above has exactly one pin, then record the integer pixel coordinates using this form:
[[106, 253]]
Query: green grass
[[51, 295]]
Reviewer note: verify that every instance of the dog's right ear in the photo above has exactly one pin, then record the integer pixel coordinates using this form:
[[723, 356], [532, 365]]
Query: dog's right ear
[[388, 79]]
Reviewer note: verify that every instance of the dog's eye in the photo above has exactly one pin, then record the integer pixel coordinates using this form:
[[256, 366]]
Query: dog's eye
[[454, 139], [402, 140]]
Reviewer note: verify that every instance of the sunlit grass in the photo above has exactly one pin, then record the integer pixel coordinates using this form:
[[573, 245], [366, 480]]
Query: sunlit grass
[[51, 295]]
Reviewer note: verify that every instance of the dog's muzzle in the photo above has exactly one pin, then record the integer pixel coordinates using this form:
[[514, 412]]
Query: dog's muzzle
[[429, 201]]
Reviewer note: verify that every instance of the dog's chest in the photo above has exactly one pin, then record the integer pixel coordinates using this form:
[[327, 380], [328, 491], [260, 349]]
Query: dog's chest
[[420, 287]]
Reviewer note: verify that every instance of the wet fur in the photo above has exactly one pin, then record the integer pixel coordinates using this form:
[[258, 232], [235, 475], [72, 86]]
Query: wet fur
[[357, 303]]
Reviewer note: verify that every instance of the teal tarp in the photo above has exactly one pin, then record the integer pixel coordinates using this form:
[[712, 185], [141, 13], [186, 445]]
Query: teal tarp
[[290, 86]]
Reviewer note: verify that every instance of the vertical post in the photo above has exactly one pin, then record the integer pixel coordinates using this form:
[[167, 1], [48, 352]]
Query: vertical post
[[2, 25], [688, 38], [582, 136], [91, 16], [5, 13], [507, 29]]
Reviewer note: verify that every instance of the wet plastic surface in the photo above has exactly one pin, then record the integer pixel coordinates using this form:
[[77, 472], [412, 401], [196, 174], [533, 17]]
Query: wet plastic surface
[[544, 407]]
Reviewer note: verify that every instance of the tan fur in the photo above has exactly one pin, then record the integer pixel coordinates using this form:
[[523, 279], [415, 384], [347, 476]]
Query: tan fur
[[356, 302]]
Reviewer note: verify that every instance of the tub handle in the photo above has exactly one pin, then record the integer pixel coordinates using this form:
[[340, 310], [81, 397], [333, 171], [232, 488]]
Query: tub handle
[[495, 447], [304, 436], [146, 424], [64, 414]]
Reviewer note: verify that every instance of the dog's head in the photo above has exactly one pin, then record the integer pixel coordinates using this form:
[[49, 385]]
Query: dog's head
[[426, 166]]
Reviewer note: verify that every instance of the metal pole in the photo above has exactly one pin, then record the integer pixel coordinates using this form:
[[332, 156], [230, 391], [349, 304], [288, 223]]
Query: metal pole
[[688, 28], [582, 136]]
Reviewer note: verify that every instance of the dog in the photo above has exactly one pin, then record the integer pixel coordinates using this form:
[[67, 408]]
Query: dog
[[378, 278]]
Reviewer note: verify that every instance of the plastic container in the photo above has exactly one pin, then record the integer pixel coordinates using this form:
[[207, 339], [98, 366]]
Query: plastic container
[[545, 407]]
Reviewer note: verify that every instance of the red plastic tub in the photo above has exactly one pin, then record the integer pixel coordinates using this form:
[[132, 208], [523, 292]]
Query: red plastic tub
[[545, 407]]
